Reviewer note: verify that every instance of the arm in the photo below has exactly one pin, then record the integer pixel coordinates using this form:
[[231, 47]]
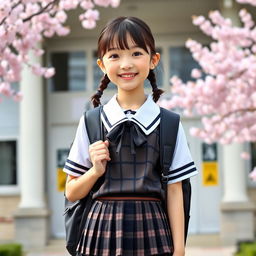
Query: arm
[[176, 217], [79, 187]]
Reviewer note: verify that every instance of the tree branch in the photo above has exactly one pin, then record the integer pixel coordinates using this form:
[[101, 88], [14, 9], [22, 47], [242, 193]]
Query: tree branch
[[4, 19], [41, 11]]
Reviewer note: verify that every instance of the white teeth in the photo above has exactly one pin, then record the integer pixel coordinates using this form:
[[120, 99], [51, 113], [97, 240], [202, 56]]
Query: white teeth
[[127, 75]]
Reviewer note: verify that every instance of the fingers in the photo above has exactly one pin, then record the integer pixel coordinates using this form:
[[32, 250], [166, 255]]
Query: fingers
[[99, 151], [102, 157], [106, 143], [100, 144]]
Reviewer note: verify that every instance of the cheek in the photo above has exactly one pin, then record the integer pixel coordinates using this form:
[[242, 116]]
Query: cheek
[[111, 68], [145, 65]]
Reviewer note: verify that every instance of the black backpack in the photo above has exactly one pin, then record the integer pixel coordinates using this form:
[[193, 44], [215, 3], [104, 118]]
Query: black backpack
[[75, 213]]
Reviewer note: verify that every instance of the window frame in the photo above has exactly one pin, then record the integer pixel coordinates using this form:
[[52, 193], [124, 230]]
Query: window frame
[[7, 190], [248, 165], [61, 50]]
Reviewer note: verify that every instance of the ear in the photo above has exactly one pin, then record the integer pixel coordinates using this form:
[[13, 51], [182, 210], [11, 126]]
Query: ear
[[101, 65], [154, 60]]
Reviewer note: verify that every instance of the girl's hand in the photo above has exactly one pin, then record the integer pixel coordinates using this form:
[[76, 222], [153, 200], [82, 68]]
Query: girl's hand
[[99, 154]]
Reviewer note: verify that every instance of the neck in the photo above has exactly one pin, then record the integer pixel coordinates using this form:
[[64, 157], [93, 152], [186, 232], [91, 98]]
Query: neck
[[130, 100]]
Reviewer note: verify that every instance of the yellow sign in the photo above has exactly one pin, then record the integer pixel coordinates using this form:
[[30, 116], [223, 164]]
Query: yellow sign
[[61, 179], [210, 174]]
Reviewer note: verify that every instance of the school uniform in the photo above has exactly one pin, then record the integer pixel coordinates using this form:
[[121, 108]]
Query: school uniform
[[127, 217]]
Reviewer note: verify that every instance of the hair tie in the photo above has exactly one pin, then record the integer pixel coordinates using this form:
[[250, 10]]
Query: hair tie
[[99, 93]]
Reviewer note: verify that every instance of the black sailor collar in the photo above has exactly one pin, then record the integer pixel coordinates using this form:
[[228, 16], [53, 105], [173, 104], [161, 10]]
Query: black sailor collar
[[147, 117]]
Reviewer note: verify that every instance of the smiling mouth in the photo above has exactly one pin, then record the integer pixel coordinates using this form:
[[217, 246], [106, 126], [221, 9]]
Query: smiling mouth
[[128, 75]]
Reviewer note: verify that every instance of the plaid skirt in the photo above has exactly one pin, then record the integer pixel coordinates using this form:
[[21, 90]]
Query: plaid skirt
[[126, 228]]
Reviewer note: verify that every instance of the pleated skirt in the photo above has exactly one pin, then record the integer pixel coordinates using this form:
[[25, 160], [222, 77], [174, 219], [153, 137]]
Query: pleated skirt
[[126, 228]]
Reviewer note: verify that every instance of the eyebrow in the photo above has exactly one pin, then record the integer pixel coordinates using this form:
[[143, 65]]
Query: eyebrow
[[114, 49]]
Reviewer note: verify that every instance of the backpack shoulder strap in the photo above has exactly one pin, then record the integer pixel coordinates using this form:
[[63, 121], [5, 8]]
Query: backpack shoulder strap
[[93, 124], [94, 128], [169, 126]]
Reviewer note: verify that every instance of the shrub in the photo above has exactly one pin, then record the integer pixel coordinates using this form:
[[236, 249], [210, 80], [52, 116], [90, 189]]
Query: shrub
[[10, 250], [246, 249]]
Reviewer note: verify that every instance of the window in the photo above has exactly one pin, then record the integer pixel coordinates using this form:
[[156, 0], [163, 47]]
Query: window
[[70, 71], [253, 154], [182, 63], [8, 164]]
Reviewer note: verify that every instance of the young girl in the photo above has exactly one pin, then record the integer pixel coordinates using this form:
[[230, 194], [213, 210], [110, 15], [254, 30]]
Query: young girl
[[127, 217]]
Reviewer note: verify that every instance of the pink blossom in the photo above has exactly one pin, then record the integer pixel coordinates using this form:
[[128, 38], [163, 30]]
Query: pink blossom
[[104, 3], [89, 24], [225, 97], [38, 70], [196, 73], [87, 4], [198, 20], [252, 174], [252, 2], [5, 89], [115, 3], [61, 16], [49, 72], [92, 15], [17, 96], [39, 52], [21, 31], [245, 155], [63, 31]]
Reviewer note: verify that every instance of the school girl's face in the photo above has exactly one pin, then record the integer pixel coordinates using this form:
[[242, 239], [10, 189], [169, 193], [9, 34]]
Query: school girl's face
[[128, 68]]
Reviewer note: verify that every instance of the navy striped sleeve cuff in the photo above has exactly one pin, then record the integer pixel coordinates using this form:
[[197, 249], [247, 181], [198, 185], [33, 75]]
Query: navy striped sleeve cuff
[[74, 169], [181, 173]]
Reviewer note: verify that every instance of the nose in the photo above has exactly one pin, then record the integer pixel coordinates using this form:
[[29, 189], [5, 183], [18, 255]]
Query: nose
[[126, 64]]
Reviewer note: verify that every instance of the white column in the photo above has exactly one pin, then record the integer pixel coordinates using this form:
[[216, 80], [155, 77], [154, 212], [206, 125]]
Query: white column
[[32, 140], [234, 174], [230, 9]]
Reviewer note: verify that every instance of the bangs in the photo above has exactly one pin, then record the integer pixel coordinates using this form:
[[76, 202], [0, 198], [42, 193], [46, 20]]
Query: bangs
[[116, 36]]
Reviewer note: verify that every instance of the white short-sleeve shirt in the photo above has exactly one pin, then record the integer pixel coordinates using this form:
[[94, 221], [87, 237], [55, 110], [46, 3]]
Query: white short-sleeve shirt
[[182, 166], [78, 161]]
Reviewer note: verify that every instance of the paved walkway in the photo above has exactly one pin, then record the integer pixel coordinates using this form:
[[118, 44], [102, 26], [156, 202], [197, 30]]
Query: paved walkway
[[206, 245]]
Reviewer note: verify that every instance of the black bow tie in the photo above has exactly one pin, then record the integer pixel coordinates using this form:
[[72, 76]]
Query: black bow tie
[[137, 137]]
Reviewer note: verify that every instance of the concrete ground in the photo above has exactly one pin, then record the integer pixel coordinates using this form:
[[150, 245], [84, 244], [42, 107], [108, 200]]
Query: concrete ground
[[197, 245]]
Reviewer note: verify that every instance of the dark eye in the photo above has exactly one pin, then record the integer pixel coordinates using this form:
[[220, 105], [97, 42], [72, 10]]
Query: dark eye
[[113, 56], [137, 53]]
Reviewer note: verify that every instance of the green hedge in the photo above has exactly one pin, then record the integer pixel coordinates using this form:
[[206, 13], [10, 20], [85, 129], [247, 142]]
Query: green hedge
[[247, 249], [10, 250]]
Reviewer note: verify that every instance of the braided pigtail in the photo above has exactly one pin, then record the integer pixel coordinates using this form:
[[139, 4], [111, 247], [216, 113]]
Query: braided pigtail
[[156, 91], [103, 85]]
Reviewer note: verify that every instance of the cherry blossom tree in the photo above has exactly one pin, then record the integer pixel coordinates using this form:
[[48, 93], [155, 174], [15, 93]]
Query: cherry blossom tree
[[24, 23], [223, 92]]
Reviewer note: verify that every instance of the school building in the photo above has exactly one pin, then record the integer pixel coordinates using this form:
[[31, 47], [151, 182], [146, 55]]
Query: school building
[[35, 135]]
